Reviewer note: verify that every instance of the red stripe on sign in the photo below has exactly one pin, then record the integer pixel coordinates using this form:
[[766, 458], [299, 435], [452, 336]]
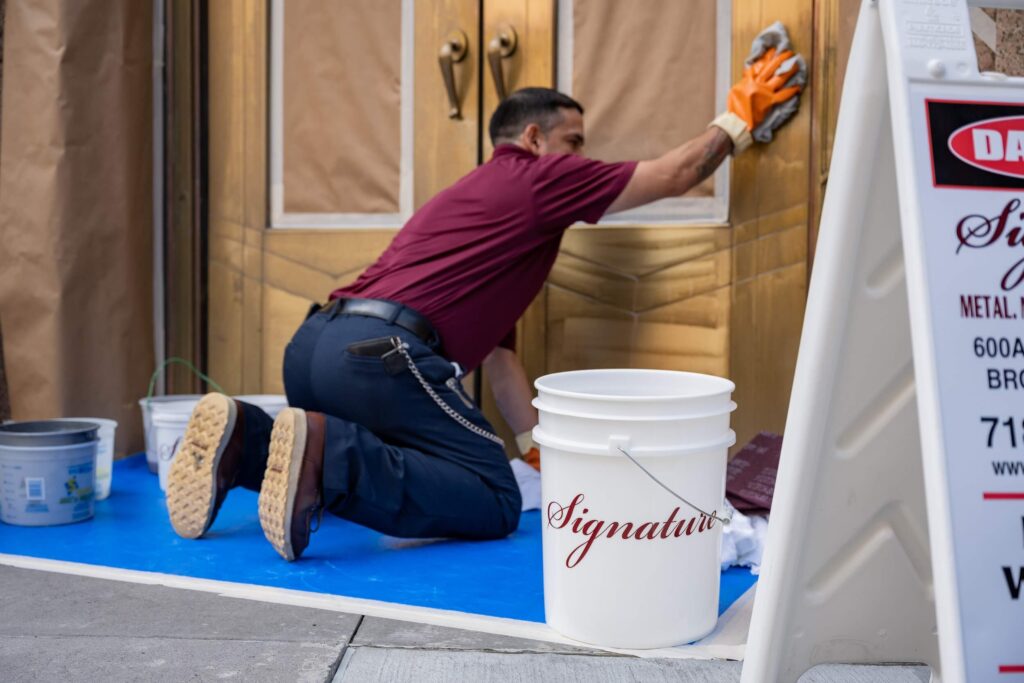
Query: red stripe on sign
[[1002, 495], [1011, 669]]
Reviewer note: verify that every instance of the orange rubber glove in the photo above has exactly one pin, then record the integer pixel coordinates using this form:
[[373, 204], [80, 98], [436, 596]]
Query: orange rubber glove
[[760, 89], [532, 458]]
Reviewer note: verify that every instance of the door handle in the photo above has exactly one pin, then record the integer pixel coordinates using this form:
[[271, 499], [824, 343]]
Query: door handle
[[502, 46], [453, 51]]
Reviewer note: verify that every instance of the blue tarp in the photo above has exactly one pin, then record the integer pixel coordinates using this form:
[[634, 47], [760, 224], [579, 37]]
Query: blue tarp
[[131, 531]]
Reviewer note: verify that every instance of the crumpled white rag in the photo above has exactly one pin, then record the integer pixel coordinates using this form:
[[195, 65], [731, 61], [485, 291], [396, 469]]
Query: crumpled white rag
[[529, 483], [743, 540]]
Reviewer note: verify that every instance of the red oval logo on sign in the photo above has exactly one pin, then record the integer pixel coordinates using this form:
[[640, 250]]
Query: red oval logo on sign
[[994, 145]]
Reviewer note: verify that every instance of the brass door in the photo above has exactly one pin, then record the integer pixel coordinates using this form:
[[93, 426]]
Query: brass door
[[358, 121], [715, 281], [357, 117]]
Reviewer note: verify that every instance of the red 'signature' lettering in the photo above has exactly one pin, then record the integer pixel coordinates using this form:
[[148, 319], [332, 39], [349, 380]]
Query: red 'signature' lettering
[[979, 232], [572, 517]]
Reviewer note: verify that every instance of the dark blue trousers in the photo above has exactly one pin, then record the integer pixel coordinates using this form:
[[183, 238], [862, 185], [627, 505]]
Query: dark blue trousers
[[393, 460]]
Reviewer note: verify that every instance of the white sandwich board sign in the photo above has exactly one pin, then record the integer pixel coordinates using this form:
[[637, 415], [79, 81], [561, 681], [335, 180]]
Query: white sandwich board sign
[[897, 531]]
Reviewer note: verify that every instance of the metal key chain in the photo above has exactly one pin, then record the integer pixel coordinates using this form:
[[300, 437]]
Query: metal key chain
[[401, 348]]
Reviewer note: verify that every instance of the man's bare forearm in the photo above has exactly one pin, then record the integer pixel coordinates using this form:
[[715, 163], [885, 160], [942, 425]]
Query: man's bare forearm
[[676, 171], [511, 389], [715, 152], [697, 159]]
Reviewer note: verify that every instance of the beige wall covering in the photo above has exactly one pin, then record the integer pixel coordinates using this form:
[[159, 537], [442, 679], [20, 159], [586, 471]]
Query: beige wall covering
[[75, 209], [646, 78], [342, 82]]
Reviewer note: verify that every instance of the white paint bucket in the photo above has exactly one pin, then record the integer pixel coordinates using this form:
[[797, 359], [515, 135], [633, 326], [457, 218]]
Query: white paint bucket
[[271, 404], [635, 393], [644, 431], [178, 403], [46, 472], [168, 431], [104, 473], [626, 563]]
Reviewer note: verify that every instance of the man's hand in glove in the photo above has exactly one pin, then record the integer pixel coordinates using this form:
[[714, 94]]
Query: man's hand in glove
[[761, 102], [761, 88], [766, 96]]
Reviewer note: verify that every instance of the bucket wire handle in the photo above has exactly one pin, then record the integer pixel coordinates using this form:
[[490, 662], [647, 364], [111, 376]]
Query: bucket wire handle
[[724, 520], [181, 361]]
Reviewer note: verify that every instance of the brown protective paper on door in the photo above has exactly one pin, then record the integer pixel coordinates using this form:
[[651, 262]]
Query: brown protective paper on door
[[342, 102], [76, 210], [645, 77]]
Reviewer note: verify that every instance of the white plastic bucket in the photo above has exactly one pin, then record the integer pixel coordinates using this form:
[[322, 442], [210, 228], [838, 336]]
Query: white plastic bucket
[[46, 472], [635, 393], [104, 473], [626, 563], [168, 430], [272, 404], [178, 403], [644, 431]]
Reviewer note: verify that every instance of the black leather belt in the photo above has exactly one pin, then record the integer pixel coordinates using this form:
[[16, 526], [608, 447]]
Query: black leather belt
[[395, 313]]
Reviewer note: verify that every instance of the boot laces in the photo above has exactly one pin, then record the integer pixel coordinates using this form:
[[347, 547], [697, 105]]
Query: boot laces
[[317, 514]]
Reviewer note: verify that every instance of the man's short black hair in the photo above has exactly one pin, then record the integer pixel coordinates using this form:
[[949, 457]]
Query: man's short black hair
[[526, 106]]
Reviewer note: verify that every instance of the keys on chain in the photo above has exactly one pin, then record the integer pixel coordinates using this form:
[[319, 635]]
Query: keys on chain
[[401, 349]]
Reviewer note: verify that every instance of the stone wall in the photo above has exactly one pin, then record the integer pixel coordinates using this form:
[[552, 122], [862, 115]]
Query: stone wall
[[999, 40]]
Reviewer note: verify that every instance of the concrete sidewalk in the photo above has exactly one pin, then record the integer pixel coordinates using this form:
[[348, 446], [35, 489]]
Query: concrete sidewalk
[[56, 627]]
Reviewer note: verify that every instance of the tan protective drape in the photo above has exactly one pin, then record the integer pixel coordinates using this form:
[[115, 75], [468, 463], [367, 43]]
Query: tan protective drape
[[75, 209], [342, 101], [645, 75]]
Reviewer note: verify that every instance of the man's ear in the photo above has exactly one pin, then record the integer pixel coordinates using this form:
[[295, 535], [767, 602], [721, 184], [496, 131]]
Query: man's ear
[[531, 138]]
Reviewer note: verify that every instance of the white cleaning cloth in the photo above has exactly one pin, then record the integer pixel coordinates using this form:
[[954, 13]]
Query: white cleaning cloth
[[777, 37], [743, 540], [529, 484]]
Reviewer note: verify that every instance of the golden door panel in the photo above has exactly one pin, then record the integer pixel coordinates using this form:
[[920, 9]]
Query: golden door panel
[[648, 80], [237, 192], [686, 291], [769, 213], [663, 293], [446, 147], [302, 266], [363, 124], [714, 298], [691, 334], [349, 84], [531, 23]]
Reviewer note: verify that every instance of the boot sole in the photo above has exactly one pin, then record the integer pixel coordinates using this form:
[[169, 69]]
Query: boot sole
[[191, 483], [280, 481]]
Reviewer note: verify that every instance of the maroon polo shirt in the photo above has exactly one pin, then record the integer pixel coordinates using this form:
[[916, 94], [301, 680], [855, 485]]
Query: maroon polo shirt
[[473, 258]]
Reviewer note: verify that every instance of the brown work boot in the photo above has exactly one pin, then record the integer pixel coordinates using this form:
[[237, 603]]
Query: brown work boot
[[292, 492], [206, 465]]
